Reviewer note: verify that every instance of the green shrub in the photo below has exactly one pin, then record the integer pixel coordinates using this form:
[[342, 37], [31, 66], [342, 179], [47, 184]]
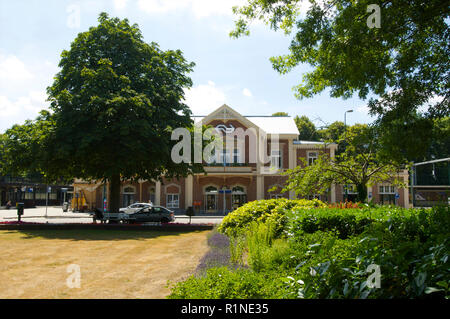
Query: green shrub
[[326, 253], [406, 223], [239, 220], [221, 283], [411, 248]]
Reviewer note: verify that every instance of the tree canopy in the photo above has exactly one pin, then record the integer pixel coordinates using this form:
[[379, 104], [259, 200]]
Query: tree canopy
[[114, 104], [280, 114], [403, 61], [307, 129]]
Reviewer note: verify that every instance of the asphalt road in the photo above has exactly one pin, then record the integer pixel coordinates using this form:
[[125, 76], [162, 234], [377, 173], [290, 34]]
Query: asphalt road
[[57, 216]]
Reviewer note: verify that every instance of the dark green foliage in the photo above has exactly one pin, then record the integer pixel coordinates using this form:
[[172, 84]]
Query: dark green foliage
[[307, 129], [221, 283], [403, 62], [327, 253], [115, 102]]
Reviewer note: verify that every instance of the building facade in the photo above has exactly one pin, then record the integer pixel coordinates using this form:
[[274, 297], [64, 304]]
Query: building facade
[[233, 176], [32, 191]]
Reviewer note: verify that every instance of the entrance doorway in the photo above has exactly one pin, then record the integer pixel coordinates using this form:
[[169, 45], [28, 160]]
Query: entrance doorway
[[128, 196], [238, 197], [211, 199]]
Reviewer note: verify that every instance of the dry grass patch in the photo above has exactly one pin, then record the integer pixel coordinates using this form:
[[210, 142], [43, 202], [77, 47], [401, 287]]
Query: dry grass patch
[[114, 264]]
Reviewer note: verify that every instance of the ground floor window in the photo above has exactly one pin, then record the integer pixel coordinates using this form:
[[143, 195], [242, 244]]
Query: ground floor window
[[387, 199], [152, 195], [387, 194], [238, 197], [128, 195], [173, 201], [211, 198], [350, 193], [276, 196], [323, 197]]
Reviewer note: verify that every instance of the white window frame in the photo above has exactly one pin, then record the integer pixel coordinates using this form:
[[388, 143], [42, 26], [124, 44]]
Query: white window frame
[[237, 156], [351, 189], [313, 158], [276, 159], [390, 189], [173, 203]]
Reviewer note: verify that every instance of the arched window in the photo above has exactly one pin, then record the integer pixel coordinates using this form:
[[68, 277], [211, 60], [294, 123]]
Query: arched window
[[238, 189], [128, 190], [211, 189]]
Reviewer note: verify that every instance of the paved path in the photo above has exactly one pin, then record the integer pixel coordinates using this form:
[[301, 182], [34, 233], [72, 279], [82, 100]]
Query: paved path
[[57, 216]]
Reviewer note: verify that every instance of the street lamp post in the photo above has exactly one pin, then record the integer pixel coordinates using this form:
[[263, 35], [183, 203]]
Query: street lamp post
[[345, 140]]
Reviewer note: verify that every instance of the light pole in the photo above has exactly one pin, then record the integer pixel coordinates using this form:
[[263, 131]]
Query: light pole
[[345, 121], [345, 138]]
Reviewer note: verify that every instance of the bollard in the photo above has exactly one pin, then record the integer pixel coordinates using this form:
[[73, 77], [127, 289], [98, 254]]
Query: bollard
[[20, 210]]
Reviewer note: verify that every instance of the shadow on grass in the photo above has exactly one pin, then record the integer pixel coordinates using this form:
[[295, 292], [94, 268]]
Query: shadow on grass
[[97, 234]]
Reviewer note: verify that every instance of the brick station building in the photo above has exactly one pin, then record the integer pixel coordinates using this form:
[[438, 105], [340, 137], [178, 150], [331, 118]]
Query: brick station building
[[234, 179]]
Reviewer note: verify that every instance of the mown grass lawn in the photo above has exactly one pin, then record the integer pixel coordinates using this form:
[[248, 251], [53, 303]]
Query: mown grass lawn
[[113, 264]]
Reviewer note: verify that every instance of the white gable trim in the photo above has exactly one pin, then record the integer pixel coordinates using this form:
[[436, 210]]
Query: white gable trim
[[226, 113]]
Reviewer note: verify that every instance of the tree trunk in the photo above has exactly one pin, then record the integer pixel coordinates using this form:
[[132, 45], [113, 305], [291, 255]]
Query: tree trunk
[[114, 194], [362, 193]]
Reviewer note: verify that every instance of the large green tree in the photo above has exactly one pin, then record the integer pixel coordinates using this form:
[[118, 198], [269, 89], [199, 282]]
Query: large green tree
[[114, 104], [403, 60]]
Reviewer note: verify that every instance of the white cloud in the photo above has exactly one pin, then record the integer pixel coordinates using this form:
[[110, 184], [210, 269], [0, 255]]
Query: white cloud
[[120, 4], [363, 109], [200, 8], [247, 92], [21, 109], [204, 98], [205, 8], [13, 69]]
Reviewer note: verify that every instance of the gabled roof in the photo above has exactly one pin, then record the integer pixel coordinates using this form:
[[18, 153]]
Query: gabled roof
[[283, 125]]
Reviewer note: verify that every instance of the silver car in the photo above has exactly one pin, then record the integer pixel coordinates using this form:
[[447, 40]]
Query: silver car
[[134, 208]]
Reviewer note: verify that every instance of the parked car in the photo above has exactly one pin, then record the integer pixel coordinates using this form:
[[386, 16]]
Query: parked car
[[148, 214], [134, 208]]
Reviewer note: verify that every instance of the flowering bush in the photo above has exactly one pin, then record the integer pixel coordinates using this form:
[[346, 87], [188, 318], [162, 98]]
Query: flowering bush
[[344, 205], [274, 209], [17, 223]]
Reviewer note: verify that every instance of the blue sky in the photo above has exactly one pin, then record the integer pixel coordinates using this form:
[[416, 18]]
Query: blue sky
[[236, 72]]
